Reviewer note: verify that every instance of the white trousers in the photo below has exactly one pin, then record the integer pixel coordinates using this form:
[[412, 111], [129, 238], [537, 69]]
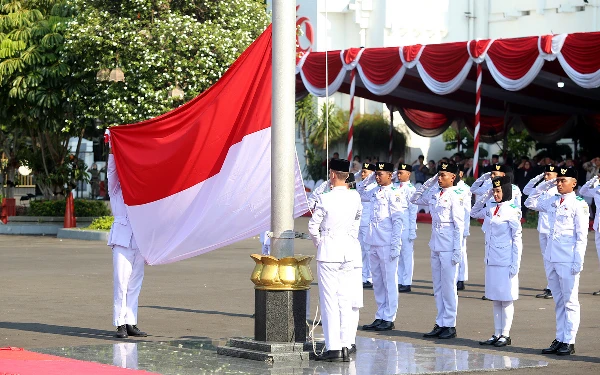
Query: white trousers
[[406, 261], [125, 355], [504, 311], [128, 274], [444, 276], [366, 270], [565, 290], [463, 268], [543, 244], [385, 282], [597, 238], [335, 292]]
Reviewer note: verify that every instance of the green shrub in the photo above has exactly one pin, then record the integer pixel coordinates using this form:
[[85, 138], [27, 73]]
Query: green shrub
[[102, 223], [83, 208]]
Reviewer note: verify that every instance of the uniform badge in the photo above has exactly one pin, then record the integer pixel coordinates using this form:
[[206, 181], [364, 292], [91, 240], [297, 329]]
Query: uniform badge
[[397, 198]]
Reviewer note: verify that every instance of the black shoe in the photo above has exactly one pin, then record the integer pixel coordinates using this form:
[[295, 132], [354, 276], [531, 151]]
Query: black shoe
[[345, 355], [503, 341], [385, 326], [566, 349], [491, 341], [121, 332], [448, 333], [460, 285], [596, 293], [553, 348], [331, 356], [371, 327], [485, 298], [404, 289], [435, 332], [352, 349], [133, 330], [546, 294], [367, 285]]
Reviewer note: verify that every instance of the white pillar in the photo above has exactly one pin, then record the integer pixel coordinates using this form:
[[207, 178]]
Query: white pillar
[[282, 128]]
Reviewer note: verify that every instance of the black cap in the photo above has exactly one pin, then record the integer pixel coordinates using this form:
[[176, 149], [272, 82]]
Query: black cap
[[495, 156], [499, 181], [405, 167], [551, 168], [567, 172], [501, 168], [368, 166], [383, 166], [340, 165], [447, 167]]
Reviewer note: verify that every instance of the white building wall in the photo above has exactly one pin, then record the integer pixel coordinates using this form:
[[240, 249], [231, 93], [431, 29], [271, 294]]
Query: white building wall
[[386, 23]]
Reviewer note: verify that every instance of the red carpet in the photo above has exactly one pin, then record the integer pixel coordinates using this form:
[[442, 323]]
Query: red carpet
[[16, 361]]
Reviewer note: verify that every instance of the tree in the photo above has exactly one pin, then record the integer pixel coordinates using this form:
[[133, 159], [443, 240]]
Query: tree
[[34, 82], [160, 45], [331, 123], [372, 137], [519, 144], [467, 143], [306, 118]]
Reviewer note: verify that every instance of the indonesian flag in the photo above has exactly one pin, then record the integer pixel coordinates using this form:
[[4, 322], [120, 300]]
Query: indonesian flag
[[199, 177]]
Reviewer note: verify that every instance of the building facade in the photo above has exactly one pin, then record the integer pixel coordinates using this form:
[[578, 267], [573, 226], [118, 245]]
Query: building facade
[[342, 24]]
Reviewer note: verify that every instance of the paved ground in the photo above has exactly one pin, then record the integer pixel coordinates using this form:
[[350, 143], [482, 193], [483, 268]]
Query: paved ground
[[58, 293]]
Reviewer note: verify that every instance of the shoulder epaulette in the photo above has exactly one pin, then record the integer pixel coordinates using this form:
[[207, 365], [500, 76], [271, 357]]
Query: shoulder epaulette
[[394, 188], [410, 185], [458, 191], [580, 198], [513, 205]]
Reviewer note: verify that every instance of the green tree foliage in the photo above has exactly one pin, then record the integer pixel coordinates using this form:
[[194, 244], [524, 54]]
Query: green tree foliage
[[519, 144], [306, 118], [467, 144], [158, 44], [372, 137], [330, 122], [34, 82]]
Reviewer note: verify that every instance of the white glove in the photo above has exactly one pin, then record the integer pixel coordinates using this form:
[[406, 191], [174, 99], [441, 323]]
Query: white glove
[[394, 175], [547, 185], [412, 235], [487, 176], [456, 257], [576, 268], [394, 253], [429, 183], [513, 270]]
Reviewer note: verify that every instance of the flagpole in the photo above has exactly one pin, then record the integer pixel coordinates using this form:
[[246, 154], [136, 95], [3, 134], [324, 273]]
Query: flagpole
[[283, 148]]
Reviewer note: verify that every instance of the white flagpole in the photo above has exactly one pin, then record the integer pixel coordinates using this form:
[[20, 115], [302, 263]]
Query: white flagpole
[[282, 128]]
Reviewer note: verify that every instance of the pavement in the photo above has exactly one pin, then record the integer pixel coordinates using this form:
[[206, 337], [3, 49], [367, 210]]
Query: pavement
[[58, 292]]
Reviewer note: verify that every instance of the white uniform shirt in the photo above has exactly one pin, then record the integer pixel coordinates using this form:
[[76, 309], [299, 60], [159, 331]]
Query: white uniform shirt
[[569, 222], [591, 189], [467, 205], [322, 188], [121, 233], [385, 223], [446, 207], [503, 234], [409, 219], [366, 201], [334, 225], [543, 225]]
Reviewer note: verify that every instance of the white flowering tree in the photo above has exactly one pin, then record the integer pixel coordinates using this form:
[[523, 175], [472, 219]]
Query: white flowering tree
[[160, 46]]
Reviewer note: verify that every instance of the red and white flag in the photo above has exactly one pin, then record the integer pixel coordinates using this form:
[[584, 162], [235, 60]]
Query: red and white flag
[[199, 177]]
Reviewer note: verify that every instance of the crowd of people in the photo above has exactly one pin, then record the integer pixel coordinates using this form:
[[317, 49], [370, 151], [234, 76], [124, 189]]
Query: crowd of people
[[369, 234]]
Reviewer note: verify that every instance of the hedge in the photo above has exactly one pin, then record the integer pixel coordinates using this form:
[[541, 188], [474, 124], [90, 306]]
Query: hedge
[[83, 208], [102, 223]]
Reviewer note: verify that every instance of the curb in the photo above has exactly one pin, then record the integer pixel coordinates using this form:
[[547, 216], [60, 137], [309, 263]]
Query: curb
[[30, 229], [81, 234]]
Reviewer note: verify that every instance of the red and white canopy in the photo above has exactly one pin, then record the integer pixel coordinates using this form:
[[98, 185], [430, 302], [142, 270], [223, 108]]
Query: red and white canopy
[[520, 77]]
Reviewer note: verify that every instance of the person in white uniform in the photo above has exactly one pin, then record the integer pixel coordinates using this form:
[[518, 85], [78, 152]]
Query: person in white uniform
[[384, 239], [334, 231], [367, 170], [591, 189], [128, 263], [446, 205], [406, 261], [463, 269], [568, 217], [503, 249], [543, 226]]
